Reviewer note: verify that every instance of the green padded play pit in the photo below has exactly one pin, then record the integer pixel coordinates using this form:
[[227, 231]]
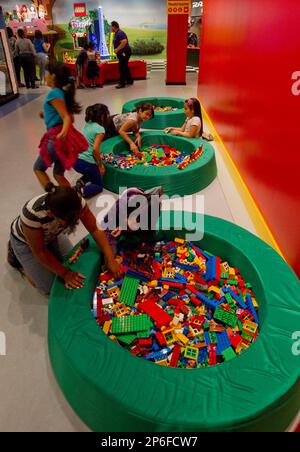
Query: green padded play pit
[[111, 390], [161, 120], [195, 177]]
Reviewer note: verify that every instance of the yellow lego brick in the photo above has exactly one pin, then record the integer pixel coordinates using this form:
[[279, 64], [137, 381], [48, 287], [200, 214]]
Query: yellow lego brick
[[179, 241], [106, 327], [214, 289], [225, 267], [250, 327], [255, 304], [182, 338]]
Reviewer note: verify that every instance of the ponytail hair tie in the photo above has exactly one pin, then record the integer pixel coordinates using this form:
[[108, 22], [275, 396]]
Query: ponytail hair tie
[[71, 79], [190, 102]]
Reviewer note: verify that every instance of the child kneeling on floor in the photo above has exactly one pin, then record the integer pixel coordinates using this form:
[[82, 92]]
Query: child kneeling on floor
[[89, 164]]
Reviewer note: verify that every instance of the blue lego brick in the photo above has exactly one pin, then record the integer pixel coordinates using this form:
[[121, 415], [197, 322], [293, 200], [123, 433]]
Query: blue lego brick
[[206, 338], [251, 308], [181, 278], [166, 280], [202, 357], [190, 268], [168, 296], [223, 342], [235, 297], [185, 330], [211, 265], [158, 259], [137, 275], [117, 284], [212, 304]]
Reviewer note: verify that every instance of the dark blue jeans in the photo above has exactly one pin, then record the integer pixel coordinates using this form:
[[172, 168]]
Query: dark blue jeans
[[90, 176]]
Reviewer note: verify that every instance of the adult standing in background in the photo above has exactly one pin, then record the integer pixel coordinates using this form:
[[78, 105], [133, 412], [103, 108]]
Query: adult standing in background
[[12, 42], [42, 48], [26, 51], [123, 52]]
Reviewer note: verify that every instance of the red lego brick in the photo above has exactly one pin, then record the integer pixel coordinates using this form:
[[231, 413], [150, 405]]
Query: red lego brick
[[145, 342], [160, 317], [157, 270], [212, 355], [235, 340], [160, 339], [175, 356], [218, 269]]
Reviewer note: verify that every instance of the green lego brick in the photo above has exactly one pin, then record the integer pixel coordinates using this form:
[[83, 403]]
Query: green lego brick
[[226, 317], [248, 286], [229, 300], [131, 324], [127, 338], [191, 353], [228, 354], [129, 291], [224, 275], [240, 325], [143, 334], [232, 282], [213, 337]]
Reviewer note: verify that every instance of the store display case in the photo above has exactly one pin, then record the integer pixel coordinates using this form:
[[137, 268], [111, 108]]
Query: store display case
[[8, 82]]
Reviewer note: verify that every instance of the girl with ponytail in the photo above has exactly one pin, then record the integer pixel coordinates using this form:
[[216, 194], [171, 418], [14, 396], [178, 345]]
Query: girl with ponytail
[[89, 164], [62, 143]]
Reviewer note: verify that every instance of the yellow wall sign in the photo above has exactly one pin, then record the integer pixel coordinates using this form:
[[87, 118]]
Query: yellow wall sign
[[180, 7]]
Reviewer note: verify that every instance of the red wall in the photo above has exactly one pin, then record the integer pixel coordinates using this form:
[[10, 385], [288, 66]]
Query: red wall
[[250, 49]]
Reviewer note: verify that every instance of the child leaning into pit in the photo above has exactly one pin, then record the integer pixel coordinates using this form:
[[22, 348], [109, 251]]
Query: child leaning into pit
[[128, 125]]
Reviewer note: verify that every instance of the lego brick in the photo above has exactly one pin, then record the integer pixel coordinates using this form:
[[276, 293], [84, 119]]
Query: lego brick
[[228, 354], [129, 291], [250, 307], [223, 342], [160, 317], [131, 324], [235, 297], [226, 317], [126, 338]]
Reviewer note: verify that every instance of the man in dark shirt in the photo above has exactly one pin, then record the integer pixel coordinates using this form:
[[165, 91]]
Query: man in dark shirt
[[123, 52]]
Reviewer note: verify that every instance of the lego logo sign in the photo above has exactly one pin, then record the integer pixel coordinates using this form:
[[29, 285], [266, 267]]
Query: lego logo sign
[[180, 7], [79, 9]]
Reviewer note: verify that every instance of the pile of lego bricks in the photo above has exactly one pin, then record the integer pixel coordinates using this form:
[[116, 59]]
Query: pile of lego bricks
[[177, 306], [154, 155], [164, 109]]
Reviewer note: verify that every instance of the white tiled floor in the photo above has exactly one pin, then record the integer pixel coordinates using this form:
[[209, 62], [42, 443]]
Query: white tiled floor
[[30, 398]]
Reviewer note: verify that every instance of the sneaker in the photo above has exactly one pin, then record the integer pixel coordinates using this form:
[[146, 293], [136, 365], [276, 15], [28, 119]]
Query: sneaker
[[120, 86], [131, 82], [79, 187], [12, 259]]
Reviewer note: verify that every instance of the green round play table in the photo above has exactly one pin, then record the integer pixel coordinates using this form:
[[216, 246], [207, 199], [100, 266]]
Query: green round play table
[[111, 390], [194, 178], [161, 120]]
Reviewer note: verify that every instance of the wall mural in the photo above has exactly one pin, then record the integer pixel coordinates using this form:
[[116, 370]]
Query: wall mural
[[144, 21]]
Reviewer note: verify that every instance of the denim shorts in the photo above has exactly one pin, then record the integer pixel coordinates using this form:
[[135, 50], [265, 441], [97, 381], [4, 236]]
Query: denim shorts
[[58, 167]]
